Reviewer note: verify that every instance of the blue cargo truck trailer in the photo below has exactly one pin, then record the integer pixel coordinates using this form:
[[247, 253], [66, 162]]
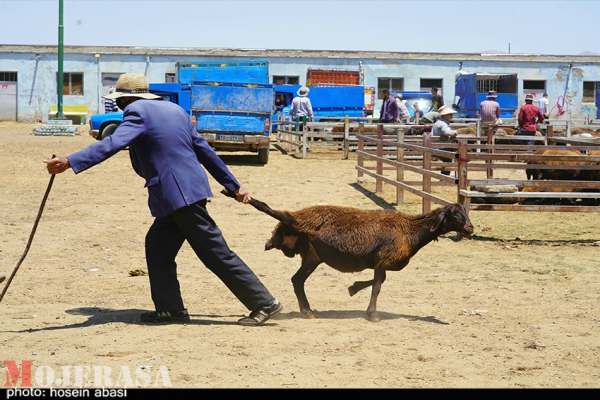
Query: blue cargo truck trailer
[[471, 89], [330, 102], [230, 103]]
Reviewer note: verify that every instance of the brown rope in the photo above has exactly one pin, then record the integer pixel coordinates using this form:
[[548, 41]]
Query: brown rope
[[35, 225]]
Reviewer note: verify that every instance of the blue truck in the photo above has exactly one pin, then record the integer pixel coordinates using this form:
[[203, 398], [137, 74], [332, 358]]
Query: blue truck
[[471, 89], [230, 104], [329, 102]]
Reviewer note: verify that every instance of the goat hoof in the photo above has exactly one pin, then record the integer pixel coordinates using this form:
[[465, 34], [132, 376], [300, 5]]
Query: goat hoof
[[373, 317], [308, 314]]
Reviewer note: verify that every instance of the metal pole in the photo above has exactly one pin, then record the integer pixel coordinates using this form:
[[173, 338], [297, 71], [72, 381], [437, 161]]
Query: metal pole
[[60, 81]]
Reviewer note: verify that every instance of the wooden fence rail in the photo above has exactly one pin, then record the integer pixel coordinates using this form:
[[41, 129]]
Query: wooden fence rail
[[438, 159]]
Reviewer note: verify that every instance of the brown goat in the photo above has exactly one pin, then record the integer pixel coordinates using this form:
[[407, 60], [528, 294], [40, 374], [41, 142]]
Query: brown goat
[[352, 240]]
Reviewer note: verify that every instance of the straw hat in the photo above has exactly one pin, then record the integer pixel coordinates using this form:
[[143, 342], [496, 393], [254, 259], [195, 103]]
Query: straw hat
[[132, 85], [492, 94], [446, 110], [303, 91], [529, 96]]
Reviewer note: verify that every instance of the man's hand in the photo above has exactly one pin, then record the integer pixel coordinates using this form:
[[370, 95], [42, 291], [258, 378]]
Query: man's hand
[[57, 165], [242, 195]]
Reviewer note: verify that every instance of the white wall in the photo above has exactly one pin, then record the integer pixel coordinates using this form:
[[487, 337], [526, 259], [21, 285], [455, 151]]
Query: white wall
[[34, 98]]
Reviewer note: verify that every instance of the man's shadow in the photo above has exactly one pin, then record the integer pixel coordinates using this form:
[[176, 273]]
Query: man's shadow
[[101, 316]]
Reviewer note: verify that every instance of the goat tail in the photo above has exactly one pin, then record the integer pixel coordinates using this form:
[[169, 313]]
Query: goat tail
[[282, 216]]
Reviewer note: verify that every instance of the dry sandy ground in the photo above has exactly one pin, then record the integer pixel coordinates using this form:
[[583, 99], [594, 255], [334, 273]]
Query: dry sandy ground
[[489, 312]]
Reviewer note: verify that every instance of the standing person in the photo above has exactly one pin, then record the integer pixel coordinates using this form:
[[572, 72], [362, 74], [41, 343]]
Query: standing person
[[110, 105], [402, 110], [301, 110], [441, 128], [418, 113], [167, 152], [389, 108], [437, 101], [529, 117], [543, 105], [489, 110]]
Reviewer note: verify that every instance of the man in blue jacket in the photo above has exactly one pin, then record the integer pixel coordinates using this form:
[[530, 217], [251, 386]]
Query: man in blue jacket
[[167, 151]]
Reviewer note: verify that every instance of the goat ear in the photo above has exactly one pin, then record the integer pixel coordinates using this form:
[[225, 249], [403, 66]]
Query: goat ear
[[438, 221]]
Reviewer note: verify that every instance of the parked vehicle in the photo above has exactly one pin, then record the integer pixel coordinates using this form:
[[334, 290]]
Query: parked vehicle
[[472, 89], [328, 102], [231, 104], [325, 77]]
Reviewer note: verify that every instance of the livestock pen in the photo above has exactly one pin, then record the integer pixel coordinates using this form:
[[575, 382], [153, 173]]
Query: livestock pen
[[339, 134], [470, 168]]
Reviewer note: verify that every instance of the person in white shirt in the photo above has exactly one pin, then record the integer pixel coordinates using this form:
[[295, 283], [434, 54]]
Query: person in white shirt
[[442, 125], [301, 110], [543, 104]]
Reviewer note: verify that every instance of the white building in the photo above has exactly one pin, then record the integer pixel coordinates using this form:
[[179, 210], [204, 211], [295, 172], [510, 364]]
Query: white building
[[28, 73]]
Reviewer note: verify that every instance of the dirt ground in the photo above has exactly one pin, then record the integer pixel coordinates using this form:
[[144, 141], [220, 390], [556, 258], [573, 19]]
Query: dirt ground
[[517, 306]]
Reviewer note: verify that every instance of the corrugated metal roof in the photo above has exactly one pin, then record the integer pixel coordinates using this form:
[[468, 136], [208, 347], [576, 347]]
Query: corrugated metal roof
[[273, 53]]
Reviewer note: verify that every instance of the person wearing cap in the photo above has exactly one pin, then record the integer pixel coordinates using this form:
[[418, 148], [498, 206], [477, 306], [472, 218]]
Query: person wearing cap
[[301, 110], [389, 108], [529, 116], [489, 110], [441, 127], [169, 154]]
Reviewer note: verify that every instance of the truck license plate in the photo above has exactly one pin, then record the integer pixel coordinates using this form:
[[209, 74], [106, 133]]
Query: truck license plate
[[230, 138]]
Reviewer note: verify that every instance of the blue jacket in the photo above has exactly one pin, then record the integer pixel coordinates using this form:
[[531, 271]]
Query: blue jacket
[[166, 150]]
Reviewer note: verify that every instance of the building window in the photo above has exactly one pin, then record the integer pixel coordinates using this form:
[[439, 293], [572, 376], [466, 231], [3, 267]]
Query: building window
[[6, 76], [427, 84], [285, 80], [394, 85], [589, 91], [73, 83], [534, 85], [170, 77]]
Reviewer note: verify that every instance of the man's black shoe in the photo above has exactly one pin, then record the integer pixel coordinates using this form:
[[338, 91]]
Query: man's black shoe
[[165, 317], [260, 316]]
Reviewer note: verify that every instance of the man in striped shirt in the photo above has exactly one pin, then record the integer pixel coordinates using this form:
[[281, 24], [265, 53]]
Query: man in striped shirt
[[109, 104], [489, 109]]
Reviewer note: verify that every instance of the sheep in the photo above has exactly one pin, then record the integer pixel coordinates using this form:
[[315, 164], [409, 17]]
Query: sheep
[[563, 174], [352, 240]]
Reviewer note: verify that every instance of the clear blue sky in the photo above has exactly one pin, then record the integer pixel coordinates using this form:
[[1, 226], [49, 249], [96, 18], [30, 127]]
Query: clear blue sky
[[549, 27]]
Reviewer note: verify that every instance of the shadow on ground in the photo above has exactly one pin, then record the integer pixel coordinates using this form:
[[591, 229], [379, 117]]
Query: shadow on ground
[[359, 314], [101, 316]]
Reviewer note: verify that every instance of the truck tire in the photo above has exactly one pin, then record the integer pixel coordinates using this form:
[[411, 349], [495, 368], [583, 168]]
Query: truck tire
[[263, 156], [108, 130]]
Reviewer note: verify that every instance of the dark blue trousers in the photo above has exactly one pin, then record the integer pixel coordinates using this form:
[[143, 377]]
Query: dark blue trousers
[[192, 223]]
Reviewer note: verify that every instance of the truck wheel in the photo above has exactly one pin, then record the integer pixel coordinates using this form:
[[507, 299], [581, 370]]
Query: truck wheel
[[108, 130], [263, 156]]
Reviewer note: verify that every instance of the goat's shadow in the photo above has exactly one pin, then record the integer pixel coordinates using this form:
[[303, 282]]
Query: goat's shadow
[[373, 197], [359, 314], [537, 242], [101, 316]]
